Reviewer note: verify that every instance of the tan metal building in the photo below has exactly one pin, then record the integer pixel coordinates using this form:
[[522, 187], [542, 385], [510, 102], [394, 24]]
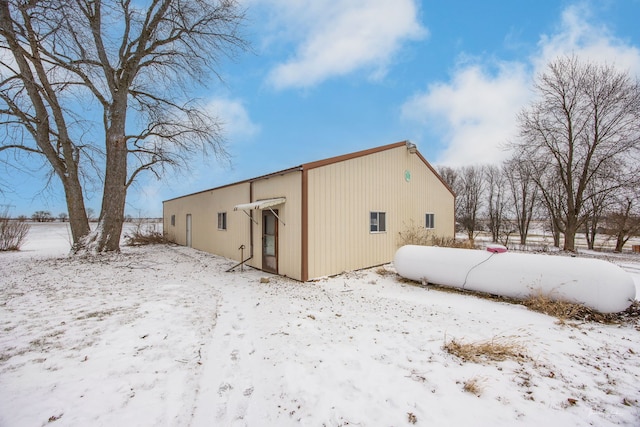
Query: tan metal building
[[317, 219]]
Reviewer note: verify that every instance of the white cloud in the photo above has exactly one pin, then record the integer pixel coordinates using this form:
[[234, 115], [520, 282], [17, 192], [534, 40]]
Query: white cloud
[[236, 123], [592, 42], [474, 113], [337, 38]]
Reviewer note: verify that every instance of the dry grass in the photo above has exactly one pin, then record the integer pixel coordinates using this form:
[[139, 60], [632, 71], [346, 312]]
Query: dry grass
[[411, 418], [541, 303], [417, 235], [144, 234], [474, 386], [565, 311], [450, 242], [494, 350], [141, 239], [414, 235], [12, 233], [384, 272]]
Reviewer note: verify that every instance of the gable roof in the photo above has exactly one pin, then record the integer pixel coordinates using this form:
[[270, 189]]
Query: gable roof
[[329, 161]]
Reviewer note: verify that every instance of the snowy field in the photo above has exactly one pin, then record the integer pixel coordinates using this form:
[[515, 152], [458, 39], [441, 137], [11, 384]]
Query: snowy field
[[163, 336]]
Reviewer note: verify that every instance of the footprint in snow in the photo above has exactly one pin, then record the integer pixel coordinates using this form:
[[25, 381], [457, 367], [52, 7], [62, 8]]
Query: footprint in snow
[[224, 388]]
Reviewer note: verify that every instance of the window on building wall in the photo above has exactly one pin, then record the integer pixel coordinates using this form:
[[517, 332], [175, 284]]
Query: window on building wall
[[430, 221], [173, 220], [222, 220], [377, 223]]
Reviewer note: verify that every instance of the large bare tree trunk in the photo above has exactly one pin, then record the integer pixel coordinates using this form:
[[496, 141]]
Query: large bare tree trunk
[[78, 221], [107, 235], [570, 231], [113, 201]]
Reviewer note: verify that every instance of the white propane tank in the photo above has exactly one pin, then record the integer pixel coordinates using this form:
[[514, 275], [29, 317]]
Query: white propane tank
[[594, 283]]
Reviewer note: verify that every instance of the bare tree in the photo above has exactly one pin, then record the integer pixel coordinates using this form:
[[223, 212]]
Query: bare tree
[[12, 232], [586, 121], [496, 194], [469, 198], [450, 176], [524, 194], [600, 196], [42, 216], [135, 68], [553, 202], [623, 221], [31, 111]]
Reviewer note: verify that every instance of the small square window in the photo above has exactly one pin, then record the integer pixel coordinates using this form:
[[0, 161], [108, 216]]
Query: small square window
[[222, 220], [430, 221], [377, 223], [173, 220]]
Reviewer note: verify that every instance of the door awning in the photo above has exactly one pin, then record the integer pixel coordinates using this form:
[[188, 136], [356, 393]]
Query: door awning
[[260, 204]]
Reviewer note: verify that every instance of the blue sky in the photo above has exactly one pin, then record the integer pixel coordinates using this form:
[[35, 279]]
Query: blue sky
[[331, 77]]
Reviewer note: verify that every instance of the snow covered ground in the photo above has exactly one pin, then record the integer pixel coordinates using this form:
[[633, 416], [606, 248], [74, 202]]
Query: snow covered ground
[[162, 335]]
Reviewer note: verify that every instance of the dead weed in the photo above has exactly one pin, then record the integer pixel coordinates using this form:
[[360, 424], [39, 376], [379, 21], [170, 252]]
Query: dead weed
[[537, 301], [474, 386], [414, 234], [144, 234], [566, 311], [381, 271], [563, 310], [494, 350], [411, 417]]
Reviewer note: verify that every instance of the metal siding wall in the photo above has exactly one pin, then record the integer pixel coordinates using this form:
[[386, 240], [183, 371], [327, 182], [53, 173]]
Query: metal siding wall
[[204, 208], [227, 242], [169, 208], [436, 199], [289, 235], [341, 195]]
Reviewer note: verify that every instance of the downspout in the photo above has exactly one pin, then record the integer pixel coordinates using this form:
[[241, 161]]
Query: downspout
[[305, 226]]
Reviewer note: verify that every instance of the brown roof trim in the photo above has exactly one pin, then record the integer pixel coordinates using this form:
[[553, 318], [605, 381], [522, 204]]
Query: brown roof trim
[[331, 160], [282, 172], [305, 166], [205, 191], [325, 162], [362, 153], [435, 172]]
